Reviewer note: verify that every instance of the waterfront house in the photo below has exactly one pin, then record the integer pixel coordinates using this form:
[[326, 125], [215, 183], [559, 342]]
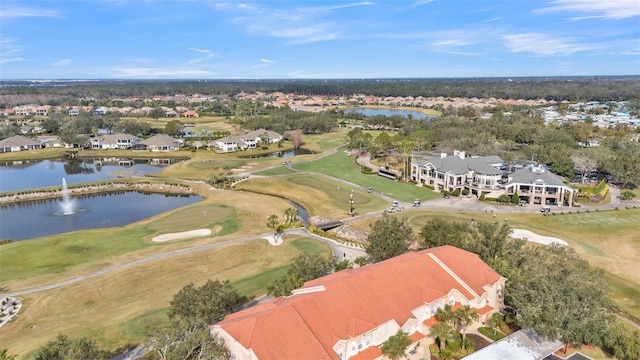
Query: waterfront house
[[19, 143], [162, 143]]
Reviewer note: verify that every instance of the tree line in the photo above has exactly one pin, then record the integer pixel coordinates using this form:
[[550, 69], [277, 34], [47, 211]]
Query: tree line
[[554, 88]]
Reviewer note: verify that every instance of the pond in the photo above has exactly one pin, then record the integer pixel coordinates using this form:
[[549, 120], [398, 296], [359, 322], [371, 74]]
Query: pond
[[389, 112], [34, 219], [30, 174]]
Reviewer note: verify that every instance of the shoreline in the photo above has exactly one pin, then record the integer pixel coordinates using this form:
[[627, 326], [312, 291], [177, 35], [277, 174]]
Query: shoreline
[[163, 188]]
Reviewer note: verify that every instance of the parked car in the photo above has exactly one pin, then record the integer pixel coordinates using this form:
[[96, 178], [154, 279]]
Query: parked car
[[545, 209]]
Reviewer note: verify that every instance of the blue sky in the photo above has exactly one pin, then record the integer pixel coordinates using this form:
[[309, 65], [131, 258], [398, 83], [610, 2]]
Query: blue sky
[[286, 39]]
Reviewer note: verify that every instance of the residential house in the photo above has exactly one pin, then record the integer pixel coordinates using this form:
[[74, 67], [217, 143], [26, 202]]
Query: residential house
[[537, 186], [350, 313], [114, 141], [248, 140], [162, 143], [19, 143], [102, 110], [477, 175], [190, 114], [74, 111]]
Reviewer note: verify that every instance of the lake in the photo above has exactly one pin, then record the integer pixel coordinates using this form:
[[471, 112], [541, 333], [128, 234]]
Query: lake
[[31, 174], [389, 112], [34, 219]]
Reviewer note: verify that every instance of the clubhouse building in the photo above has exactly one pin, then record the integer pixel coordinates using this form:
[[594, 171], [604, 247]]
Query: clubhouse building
[[485, 175]]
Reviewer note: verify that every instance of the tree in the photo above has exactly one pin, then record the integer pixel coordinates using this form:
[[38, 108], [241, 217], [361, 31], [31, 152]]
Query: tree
[[390, 236], [173, 128], [558, 295], [464, 317], [396, 345], [290, 215], [208, 303], [495, 322], [585, 165], [443, 332], [157, 113], [304, 267], [132, 127], [297, 139], [62, 348], [273, 222], [438, 232], [186, 340]]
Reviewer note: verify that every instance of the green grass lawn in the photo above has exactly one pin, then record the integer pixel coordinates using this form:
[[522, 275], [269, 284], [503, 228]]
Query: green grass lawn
[[318, 195], [115, 309], [341, 166]]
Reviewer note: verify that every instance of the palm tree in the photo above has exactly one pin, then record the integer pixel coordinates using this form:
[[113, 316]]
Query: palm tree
[[396, 346], [464, 317], [446, 314], [290, 215], [443, 332], [468, 344], [495, 322], [274, 223]]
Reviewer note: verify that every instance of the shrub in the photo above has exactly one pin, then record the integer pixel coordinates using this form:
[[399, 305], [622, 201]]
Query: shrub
[[428, 186], [456, 192], [482, 198], [465, 191]]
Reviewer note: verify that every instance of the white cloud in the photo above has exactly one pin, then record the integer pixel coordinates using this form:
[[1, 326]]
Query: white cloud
[[421, 2], [299, 25], [63, 62], [4, 60], [607, 9], [542, 44], [267, 61], [160, 73], [14, 11], [208, 55]]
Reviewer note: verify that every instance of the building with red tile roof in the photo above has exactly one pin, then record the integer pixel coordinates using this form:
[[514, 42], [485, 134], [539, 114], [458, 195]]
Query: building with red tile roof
[[350, 313]]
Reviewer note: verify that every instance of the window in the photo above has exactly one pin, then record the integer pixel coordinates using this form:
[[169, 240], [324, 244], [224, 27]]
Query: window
[[386, 328], [368, 340], [433, 309], [359, 344], [451, 300], [340, 354]]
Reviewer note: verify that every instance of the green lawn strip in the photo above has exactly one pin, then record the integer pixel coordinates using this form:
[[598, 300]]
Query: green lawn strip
[[341, 166], [137, 327], [201, 215], [624, 295], [59, 253]]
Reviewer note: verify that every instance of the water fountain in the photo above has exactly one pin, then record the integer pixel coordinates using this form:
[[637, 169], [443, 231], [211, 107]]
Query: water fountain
[[67, 207]]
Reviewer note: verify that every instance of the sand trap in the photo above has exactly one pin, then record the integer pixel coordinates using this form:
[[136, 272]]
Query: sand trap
[[531, 236], [238, 170], [181, 235]]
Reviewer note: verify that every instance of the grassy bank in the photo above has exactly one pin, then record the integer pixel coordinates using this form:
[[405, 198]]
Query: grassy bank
[[341, 166]]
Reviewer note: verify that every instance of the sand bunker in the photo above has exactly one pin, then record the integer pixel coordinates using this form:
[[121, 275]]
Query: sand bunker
[[531, 236], [181, 235]]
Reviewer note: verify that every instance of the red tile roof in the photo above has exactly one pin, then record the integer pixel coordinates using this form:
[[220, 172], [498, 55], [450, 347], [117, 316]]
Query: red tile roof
[[349, 303], [370, 353]]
